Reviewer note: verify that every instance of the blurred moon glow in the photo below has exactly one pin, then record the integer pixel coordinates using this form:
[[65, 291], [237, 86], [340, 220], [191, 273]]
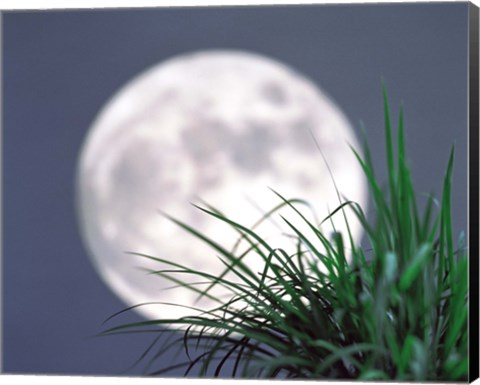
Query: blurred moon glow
[[218, 125]]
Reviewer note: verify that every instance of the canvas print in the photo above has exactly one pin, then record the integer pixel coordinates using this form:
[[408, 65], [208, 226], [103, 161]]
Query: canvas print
[[274, 192]]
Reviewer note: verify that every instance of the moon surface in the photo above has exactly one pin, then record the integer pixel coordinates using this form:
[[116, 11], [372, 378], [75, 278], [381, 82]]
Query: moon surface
[[220, 126]]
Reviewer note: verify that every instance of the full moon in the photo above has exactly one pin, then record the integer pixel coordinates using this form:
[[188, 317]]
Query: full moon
[[221, 127]]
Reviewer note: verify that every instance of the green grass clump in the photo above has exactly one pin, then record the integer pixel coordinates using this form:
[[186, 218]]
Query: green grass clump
[[396, 311]]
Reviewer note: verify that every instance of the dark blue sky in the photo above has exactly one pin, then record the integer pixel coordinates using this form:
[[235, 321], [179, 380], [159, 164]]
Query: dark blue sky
[[59, 68]]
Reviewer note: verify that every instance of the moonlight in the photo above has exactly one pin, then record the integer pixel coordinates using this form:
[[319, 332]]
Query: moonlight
[[217, 126]]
